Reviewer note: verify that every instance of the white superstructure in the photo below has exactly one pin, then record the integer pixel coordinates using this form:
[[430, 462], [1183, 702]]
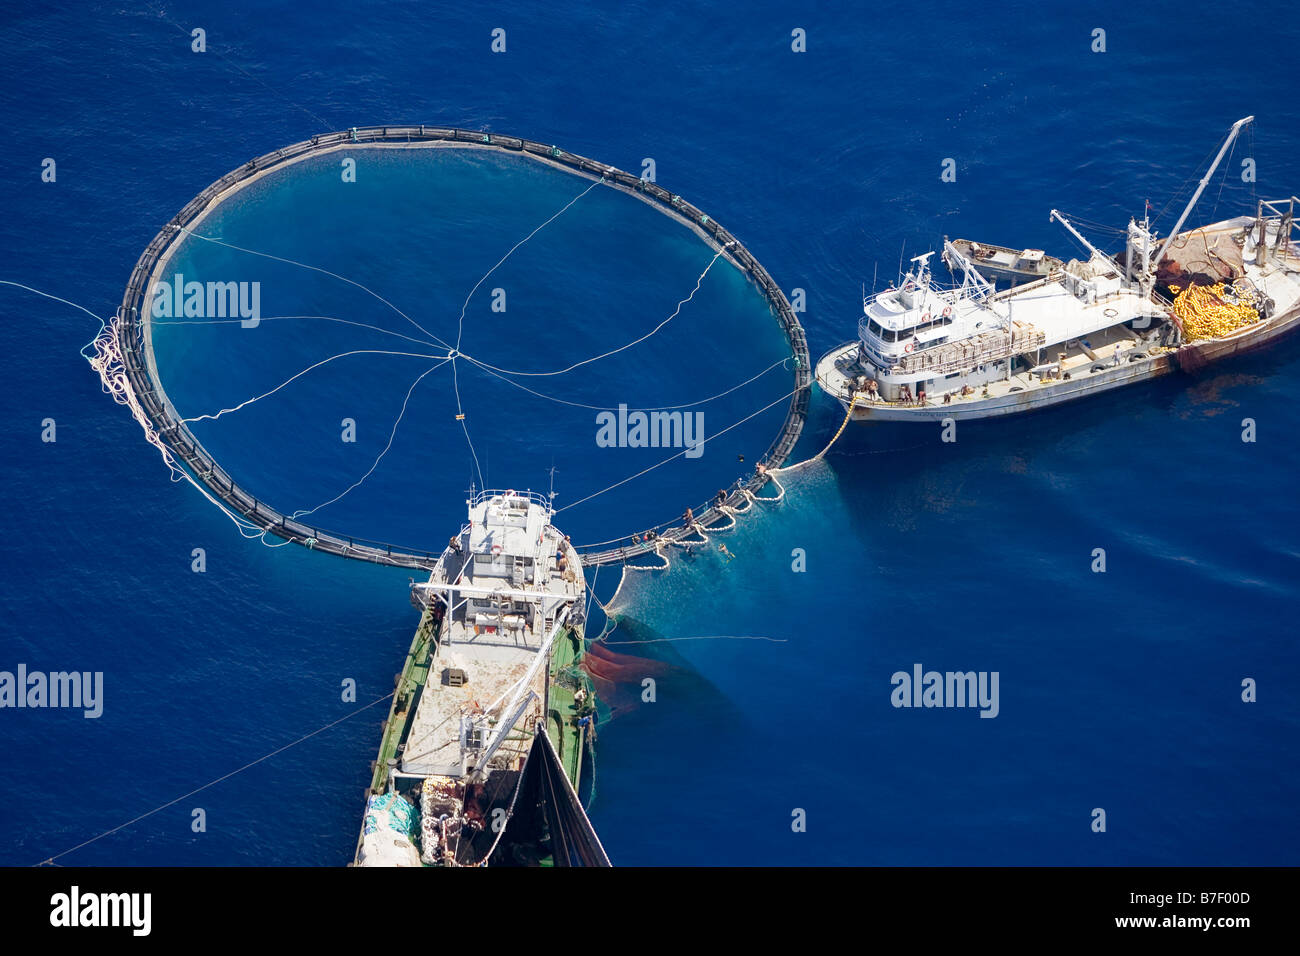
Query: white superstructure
[[926, 352]]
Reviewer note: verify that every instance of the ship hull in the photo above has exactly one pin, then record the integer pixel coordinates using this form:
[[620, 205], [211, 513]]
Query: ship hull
[[1188, 358]]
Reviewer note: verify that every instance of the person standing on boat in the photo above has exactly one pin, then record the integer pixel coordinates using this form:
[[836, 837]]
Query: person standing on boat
[[1118, 346]]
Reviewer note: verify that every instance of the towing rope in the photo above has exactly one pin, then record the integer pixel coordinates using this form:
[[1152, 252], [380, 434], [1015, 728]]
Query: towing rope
[[822, 454]]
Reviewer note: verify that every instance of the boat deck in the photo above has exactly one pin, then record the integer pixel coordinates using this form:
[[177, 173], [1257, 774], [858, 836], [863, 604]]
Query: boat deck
[[492, 670], [564, 710], [1051, 308], [1081, 356]]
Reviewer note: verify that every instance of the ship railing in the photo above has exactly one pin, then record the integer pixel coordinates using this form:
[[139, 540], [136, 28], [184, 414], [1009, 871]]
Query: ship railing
[[531, 496], [1281, 212], [1013, 344], [1019, 290]]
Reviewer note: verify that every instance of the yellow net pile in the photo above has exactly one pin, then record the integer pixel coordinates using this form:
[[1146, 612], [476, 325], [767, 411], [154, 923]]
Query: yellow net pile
[[1207, 312]]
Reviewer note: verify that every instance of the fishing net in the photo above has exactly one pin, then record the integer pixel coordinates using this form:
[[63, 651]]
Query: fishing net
[[1211, 311]]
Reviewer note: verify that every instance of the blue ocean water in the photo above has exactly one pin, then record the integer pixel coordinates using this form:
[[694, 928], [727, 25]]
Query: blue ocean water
[[1118, 690]]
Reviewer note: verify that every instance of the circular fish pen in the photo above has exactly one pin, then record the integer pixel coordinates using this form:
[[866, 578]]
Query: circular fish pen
[[126, 359]]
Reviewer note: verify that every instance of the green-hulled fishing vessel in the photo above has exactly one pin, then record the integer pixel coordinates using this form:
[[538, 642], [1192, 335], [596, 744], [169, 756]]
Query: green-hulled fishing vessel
[[482, 756]]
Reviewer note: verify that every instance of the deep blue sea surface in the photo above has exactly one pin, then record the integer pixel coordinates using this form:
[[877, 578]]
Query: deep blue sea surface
[[1119, 691]]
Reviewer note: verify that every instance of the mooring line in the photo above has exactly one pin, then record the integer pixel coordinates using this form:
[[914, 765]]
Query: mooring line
[[170, 803], [159, 12], [836, 437], [103, 323]]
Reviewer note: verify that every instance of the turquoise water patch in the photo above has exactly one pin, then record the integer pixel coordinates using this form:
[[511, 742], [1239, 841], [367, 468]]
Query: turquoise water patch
[[545, 343]]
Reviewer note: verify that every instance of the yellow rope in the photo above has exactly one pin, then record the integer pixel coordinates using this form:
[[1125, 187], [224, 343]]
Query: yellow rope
[[843, 425]]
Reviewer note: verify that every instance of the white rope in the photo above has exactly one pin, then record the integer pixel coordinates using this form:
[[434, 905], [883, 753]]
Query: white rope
[[213, 783], [274, 318], [460, 323], [102, 324], [107, 363], [460, 415], [303, 265], [510, 812], [685, 541], [749, 502], [289, 381], [650, 567], [391, 435], [731, 520], [771, 474], [621, 348], [604, 408], [679, 454], [216, 50]]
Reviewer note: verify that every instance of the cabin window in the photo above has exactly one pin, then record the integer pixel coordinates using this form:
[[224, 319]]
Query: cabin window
[[885, 335], [937, 323]]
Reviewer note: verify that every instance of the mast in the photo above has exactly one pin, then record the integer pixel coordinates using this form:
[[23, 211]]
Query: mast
[[1232, 135], [1077, 234], [970, 275]]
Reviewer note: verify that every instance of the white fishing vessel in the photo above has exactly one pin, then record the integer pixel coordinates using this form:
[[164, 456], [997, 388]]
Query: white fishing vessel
[[926, 352], [481, 758]]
